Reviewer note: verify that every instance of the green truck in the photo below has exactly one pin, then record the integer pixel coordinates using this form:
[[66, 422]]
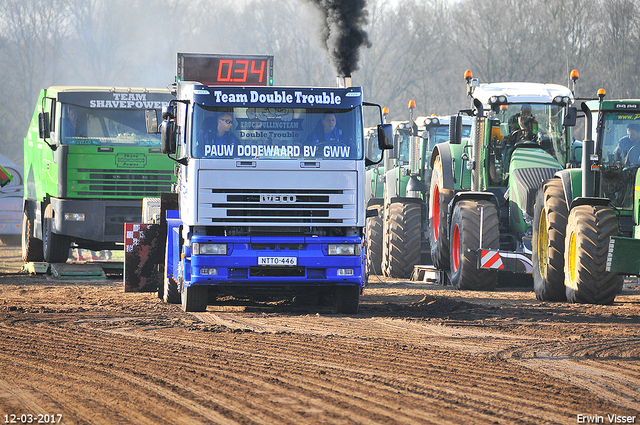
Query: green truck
[[88, 162]]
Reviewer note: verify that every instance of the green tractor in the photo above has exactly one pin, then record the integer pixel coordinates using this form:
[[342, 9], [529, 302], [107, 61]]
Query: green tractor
[[587, 219], [398, 237], [482, 192]]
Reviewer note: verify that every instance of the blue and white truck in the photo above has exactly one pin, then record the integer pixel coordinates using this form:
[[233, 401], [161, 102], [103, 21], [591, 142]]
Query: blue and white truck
[[276, 206]]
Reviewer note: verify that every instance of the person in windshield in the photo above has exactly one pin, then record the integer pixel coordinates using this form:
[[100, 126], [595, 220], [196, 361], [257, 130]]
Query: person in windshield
[[523, 124], [216, 131], [625, 145], [326, 130], [70, 126]]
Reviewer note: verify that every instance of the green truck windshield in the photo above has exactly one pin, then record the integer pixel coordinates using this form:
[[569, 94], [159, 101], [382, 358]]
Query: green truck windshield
[[276, 133], [104, 127]]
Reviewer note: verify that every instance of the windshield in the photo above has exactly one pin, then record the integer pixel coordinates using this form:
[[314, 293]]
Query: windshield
[[620, 156], [105, 127], [540, 123], [440, 133], [276, 133]]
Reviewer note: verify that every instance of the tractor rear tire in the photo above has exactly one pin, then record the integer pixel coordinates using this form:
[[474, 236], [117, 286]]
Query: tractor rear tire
[[589, 230], [549, 229], [31, 247], [374, 243], [465, 241], [402, 237], [439, 199]]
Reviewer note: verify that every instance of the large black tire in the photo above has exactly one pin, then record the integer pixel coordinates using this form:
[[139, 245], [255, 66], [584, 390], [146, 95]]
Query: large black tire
[[439, 199], [589, 230], [549, 228], [31, 247], [465, 241], [55, 248], [347, 298], [402, 237], [374, 243], [194, 298]]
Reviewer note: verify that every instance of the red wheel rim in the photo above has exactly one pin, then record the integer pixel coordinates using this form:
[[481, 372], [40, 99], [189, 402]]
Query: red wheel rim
[[455, 249], [435, 212]]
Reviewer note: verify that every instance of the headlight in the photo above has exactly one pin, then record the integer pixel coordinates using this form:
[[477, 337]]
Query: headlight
[[209, 248], [344, 249], [74, 216]]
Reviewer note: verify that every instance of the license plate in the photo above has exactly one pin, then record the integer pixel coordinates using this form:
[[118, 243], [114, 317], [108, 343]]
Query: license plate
[[277, 261]]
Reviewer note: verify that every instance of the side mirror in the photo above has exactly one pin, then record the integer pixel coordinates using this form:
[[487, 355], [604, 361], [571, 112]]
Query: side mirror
[[385, 136], [151, 120], [455, 130], [44, 131], [569, 114], [168, 137]]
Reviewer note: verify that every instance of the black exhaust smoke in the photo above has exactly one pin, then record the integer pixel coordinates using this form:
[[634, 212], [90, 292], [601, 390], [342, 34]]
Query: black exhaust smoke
[[343, 34]]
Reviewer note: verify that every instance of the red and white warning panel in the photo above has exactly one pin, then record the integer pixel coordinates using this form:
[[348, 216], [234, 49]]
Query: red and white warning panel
[[490, 260], [518, 262]]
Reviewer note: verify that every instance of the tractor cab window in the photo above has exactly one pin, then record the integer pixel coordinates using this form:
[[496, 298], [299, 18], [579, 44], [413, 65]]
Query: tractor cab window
[[533, 123], [620, 154]]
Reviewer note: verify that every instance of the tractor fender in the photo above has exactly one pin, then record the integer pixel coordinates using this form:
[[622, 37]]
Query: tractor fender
[[571, 183], [444, 151], [459, 196]]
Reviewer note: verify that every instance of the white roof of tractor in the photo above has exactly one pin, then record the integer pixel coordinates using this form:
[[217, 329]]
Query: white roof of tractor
[[521, 92]]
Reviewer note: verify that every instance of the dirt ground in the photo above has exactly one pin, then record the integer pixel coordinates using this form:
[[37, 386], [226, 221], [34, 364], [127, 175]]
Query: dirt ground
[[79, 352]]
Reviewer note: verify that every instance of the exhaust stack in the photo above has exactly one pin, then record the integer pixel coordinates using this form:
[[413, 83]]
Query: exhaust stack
[[344, 82]]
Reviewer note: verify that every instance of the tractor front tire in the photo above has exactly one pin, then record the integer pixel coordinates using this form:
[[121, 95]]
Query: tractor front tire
[[589, 230], [549, 229], [402, 237], [465, 241]]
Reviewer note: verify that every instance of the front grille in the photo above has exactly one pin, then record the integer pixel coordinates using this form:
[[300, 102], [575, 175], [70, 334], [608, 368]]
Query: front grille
[[129, 184], [264, 206]]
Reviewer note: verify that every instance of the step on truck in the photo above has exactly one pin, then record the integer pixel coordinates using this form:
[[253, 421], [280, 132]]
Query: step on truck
[[88, 163], [483, 191], [270, 187]]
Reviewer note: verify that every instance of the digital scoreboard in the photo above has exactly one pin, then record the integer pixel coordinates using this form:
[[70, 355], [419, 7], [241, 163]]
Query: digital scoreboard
[[226, 70]]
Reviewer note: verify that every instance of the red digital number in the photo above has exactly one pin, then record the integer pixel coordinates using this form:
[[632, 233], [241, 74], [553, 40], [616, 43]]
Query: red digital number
[[260, 71], [242, 71], [221, 67]]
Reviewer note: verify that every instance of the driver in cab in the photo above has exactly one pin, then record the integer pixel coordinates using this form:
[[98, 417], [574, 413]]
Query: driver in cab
[[523, 125], [628, 149], [326, 131]]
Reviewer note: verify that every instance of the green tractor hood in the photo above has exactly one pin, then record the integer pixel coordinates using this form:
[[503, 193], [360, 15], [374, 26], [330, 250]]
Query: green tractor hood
[[528, 168]]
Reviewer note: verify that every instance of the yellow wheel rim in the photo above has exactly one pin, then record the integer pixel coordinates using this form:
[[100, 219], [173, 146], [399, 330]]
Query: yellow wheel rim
[[543, 239], [572, 259]]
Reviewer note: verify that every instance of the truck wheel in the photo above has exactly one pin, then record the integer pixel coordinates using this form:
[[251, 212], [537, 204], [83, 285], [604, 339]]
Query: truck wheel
[[465, 241], [171, 295], [374, 243], [402, 237], [194, 298], [439, 199], [589, 230], [54, 247], [31, 247], [347, 298], [549, 228]]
